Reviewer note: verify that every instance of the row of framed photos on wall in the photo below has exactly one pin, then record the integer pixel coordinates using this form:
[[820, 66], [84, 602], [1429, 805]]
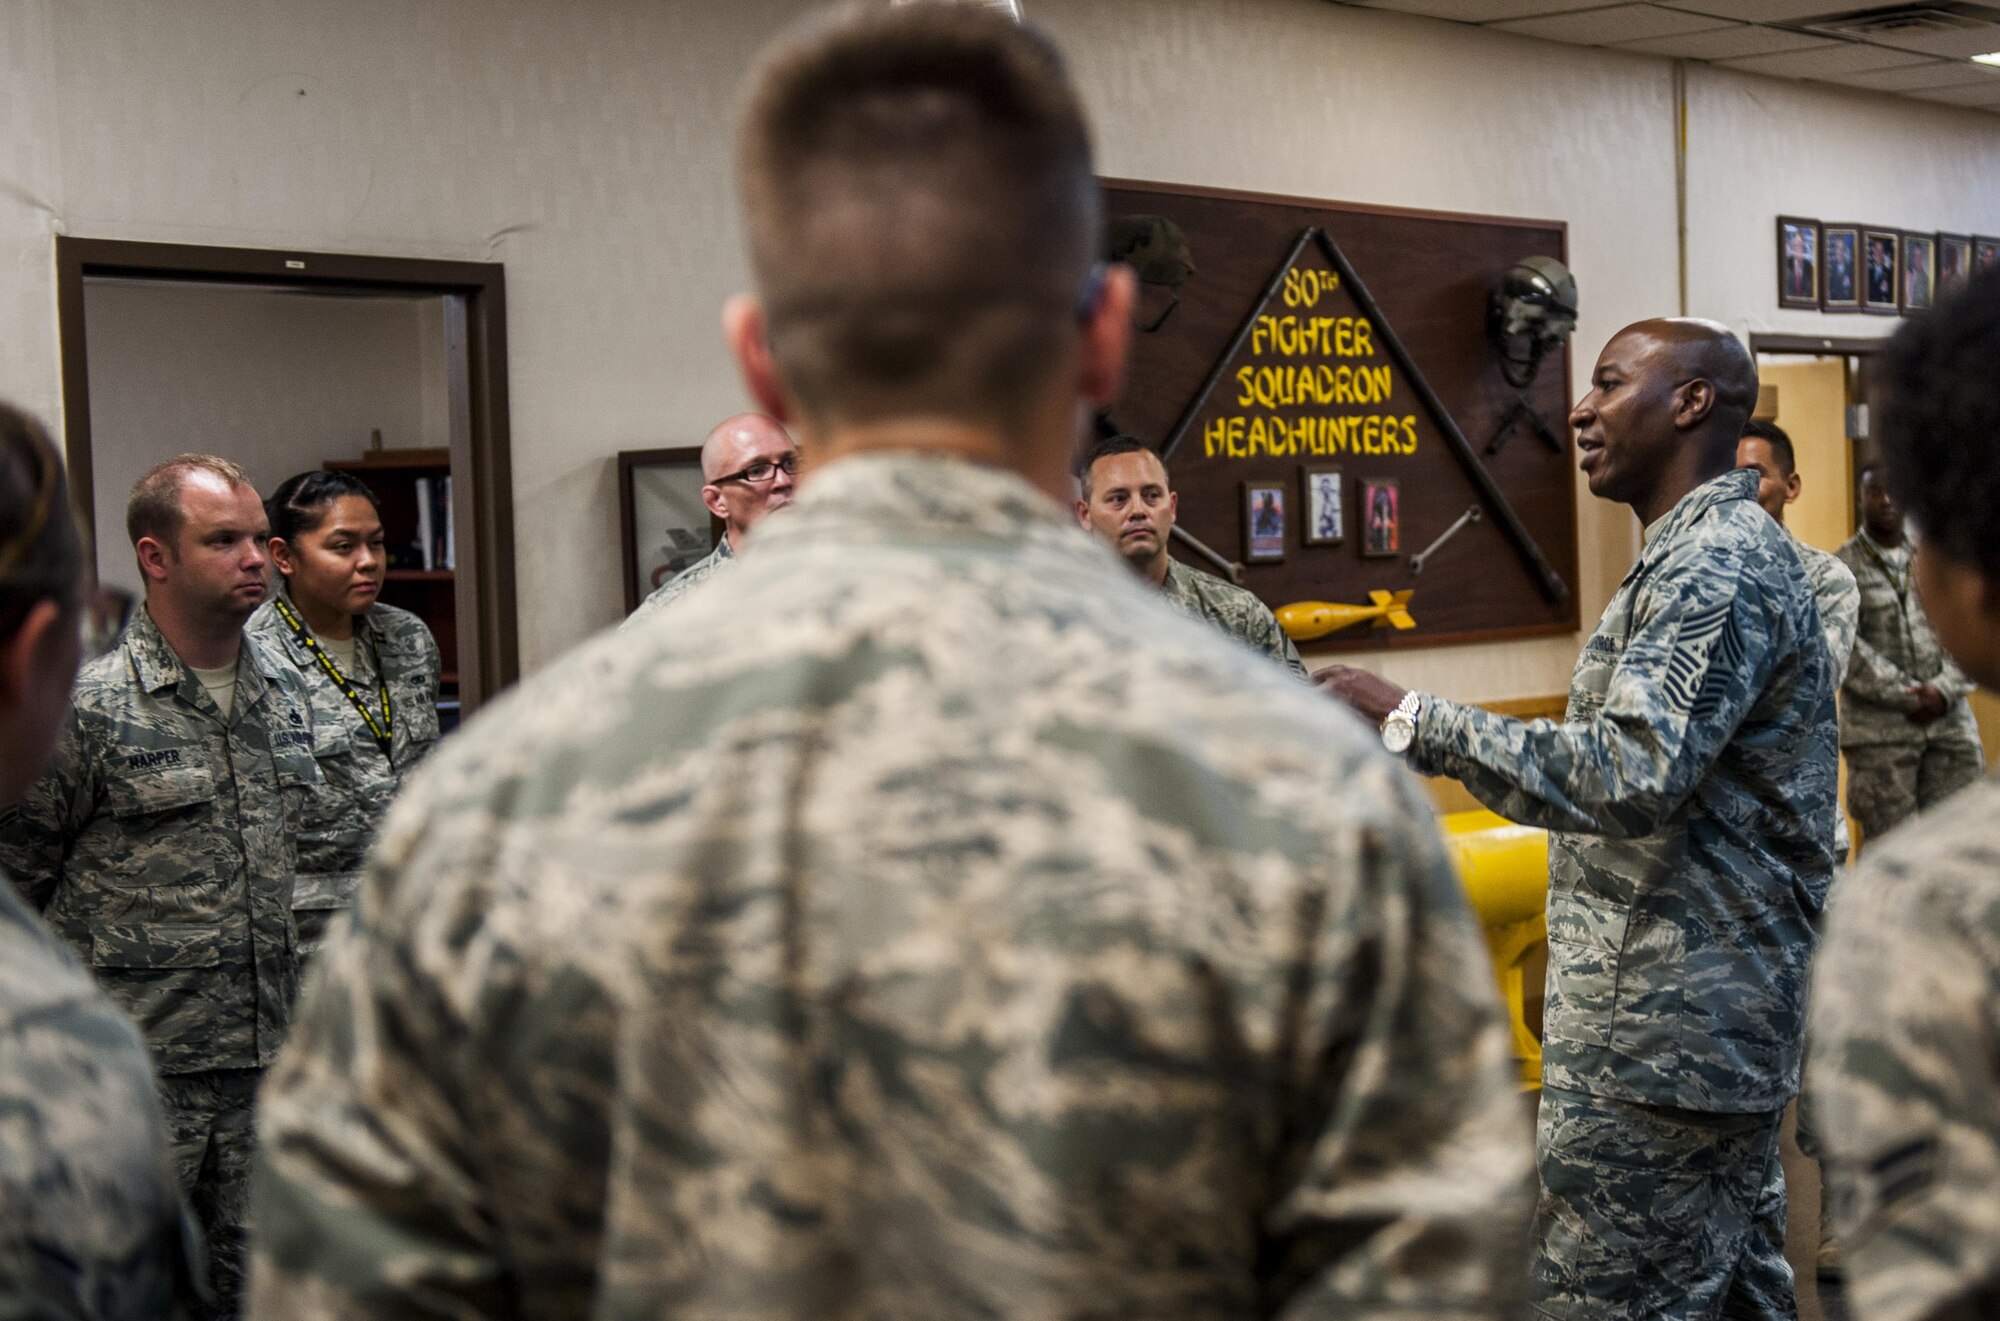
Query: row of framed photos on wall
[[1324, 507], [1871, 268]]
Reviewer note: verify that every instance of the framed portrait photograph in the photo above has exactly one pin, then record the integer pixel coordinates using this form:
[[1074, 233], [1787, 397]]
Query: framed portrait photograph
[[1798, 262], [1918, 285], [1840, 268], [663, 524], [1881, 257], [1381, 517], [1985, 253], [1954, 261], [1263, 521], [1326, 518]]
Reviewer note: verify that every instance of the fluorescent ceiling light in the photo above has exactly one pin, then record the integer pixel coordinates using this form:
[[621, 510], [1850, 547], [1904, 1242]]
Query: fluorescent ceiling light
[[1990, 57]]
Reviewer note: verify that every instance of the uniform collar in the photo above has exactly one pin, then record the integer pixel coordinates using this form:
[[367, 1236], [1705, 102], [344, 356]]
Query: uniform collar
[[925, 497], [159, 667], [365, 627], [1736, 484]]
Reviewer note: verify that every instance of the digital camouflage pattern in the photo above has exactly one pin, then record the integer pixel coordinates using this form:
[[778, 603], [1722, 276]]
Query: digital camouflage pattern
[[1897, 768], [1236, 612], [932, 925], [1651, 1213], [357, 782], [1691, 787], [1838, 598], [671, 590], [91, 1224], [159, 845], [1905, 1075]]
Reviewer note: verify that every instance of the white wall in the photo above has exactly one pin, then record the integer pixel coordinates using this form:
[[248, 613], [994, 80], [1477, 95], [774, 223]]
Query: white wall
[[586, 145], [279, 382]]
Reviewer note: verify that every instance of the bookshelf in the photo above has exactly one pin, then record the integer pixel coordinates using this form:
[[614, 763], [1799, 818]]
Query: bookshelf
[[429, 592]]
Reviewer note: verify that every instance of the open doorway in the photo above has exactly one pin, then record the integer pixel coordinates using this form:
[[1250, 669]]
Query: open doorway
[[391, 369]]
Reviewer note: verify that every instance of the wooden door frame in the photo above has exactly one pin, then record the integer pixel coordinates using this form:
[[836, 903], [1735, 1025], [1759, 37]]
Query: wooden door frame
[[483, 500]]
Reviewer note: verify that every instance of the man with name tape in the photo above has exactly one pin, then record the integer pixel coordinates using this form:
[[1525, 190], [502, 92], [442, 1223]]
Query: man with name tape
[[1128, 502], [160, 842]]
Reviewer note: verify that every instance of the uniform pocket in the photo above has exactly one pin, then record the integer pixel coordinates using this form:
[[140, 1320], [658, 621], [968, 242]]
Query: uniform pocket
[[1586, 938], [163, 816], [164, 974]]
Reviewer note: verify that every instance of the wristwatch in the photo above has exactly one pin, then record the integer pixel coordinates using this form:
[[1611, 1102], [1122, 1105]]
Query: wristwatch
[[1400, 729]]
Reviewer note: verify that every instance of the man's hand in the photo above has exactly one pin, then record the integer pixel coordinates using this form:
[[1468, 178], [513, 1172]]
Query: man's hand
[[1372, 697], [1930, 704]]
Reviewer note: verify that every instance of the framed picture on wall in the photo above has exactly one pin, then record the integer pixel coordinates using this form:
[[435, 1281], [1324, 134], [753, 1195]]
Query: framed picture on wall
[[1985, 253], [1881, 253], [1954, 261], [1798, 262], [1381, 517], [1918, 285], [1263, 521], [1326, 519], [662, 522], [1840, 268]]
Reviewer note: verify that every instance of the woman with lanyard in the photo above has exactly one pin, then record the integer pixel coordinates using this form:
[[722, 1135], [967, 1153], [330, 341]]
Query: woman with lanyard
[[372, 671]]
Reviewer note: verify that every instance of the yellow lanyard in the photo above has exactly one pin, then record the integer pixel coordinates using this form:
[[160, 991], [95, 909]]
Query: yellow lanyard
[[385, 730]]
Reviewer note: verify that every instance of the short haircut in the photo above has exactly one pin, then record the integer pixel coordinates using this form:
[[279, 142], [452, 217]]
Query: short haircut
[[154, 508], [299, 504], [1939, 422], [921, 209], [41, 552], [1104, 447], [1781, 444]]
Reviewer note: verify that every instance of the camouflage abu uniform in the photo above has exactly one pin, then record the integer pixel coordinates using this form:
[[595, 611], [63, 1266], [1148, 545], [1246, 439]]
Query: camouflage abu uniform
[[1896, 767], [1236, 612], [91, 1224], [159, 845], [1839, 601], [1905, 1075], [356, 780], [959, 932], [1691, 789], [670, 590]]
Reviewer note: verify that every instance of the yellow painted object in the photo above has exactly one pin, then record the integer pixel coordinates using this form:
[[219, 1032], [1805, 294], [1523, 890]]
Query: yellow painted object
[[1305, 620], [1505, 870]]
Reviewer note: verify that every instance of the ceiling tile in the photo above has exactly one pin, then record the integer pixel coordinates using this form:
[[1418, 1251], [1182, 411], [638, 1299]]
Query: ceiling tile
[[1957, 44], [1598, 27], [1762, 11], [1974, 95], [1727, 43], [1921, 77], [1479, 11], [1822, 60]]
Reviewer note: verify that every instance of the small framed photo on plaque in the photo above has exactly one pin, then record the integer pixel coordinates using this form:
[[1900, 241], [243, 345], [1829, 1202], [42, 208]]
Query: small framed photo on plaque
[[1918, 286], [1381, 517], [1985, 253], [1882, 252], [1798, 262], [1263, 522], [663, 525], [1840, 268], [1326, 518], [1954, 258]]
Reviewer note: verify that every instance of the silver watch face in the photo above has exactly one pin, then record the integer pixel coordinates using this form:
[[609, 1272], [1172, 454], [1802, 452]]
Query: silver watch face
[[1398, 732]]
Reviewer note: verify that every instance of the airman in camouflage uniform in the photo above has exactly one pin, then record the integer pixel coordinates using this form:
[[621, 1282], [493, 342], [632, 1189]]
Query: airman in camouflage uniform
[[1905, 1074], [935, 924], [1127, 502], [159, 845], [357, 781], [1690, 790], [91, 1221], [746, 466], [1908, 731], [92, 1227]]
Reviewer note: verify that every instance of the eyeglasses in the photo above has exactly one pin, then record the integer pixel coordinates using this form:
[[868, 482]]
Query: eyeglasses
[[763, 470]]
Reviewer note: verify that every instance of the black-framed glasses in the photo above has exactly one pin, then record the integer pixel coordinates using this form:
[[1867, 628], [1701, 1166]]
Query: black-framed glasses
[[763, 470]]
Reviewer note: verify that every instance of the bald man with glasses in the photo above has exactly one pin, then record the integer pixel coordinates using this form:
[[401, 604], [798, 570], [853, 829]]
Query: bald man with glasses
[[747, 468]]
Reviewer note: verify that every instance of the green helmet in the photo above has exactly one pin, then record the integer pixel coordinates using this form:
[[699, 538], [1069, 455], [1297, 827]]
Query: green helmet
[[1153, 246]]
